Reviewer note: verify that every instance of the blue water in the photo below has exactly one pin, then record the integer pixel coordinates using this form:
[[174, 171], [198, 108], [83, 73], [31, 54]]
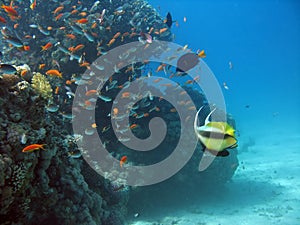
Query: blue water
[[261, 39]]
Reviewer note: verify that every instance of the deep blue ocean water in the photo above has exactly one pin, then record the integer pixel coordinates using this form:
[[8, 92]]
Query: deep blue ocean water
[[261, 39]]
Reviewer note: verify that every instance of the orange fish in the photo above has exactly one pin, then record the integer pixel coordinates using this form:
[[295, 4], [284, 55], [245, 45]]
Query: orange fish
[[94, 25], [42, 66], [133, 126], [160, 67], [33, 5], [23, 72], [126, 94], [11, 12], [58, 9], [166, 85], [94, 34], [78, 47], [82, 21], [69, 82], [157, 80], [71, 49], [111, 42], [57, 90], [24, 48], [163, 30], [115, 111], [125, 34], [54, 73], [27, 36], [58, 16], [74, 11], [85, 64], [189, 82], [202, 54], [2, 20], [46, 46], [117, 35], [133, 34], [33, 147], [91, 92], [82, 14], [192, 108], [123, 160], [87, 103]]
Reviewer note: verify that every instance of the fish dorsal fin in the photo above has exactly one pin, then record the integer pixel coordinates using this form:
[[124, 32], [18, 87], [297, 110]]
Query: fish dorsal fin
[[207, 118], [196, 119]]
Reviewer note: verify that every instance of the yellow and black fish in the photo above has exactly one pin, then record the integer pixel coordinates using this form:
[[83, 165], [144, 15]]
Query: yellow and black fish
[[217, 137]]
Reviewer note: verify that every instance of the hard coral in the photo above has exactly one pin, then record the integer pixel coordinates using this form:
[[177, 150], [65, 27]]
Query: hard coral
[[9, 80], [42, 86]]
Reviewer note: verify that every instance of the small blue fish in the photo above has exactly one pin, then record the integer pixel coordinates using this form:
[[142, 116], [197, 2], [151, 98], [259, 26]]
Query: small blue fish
[[7, 69], [14, 41]]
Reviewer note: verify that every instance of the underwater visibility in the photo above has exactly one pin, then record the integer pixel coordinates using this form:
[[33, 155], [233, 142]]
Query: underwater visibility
[[135, 112]]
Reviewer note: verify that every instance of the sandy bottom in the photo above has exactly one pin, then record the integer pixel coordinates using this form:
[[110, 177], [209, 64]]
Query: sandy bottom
[[265, 189]]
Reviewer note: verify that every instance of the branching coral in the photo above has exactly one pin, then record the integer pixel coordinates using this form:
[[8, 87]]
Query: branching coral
[[18, 176], [42, 86]]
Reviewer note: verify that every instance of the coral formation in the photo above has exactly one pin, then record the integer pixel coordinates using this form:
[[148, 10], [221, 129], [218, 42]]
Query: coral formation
[[8, 80], [48, 186], [42, 86]]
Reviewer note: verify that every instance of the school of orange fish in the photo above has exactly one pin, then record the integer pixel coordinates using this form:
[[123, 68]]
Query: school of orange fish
[[63, 42]]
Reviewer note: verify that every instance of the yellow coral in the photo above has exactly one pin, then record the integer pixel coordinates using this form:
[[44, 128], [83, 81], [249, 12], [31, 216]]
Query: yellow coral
[[42, 86]]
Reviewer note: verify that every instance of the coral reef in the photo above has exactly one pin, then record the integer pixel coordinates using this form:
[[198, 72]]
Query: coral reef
[[50, 186], [47, 186], [8, 80]]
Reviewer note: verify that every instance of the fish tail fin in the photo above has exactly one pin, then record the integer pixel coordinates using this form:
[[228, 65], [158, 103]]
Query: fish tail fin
[[42, 147]]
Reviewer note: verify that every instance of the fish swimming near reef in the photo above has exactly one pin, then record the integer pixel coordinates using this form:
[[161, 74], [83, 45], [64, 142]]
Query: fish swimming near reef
[[16, 42], [123, 160], [33, 147], [187, 62], [217, 137], [74, 154], [54, 73], [7, 69], [169, 20]]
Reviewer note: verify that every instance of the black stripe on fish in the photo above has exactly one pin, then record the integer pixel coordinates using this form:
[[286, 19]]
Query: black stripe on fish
[[215, 135], [223, 153]]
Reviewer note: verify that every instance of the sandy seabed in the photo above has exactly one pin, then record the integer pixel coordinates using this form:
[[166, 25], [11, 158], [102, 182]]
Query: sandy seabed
[[264, 190]]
